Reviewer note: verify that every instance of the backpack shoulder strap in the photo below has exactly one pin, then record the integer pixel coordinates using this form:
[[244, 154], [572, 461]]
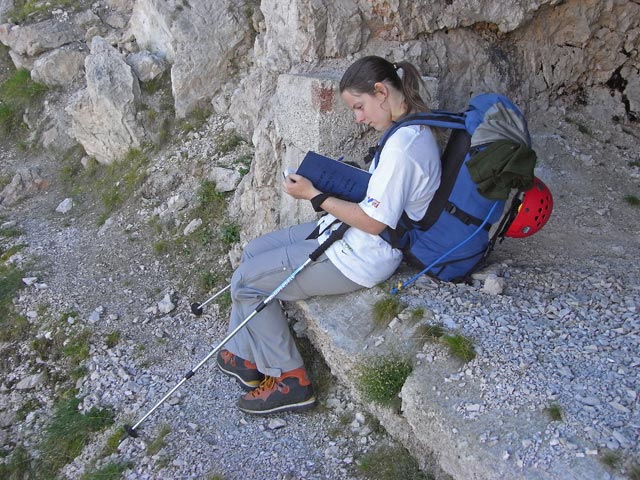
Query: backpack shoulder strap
[[439, 119]]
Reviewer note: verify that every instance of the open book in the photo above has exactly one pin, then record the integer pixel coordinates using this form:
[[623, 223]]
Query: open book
[[335, 177]]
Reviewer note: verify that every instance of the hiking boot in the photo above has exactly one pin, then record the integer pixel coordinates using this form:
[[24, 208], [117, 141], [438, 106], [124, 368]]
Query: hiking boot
[[244, 371], [291, 391]]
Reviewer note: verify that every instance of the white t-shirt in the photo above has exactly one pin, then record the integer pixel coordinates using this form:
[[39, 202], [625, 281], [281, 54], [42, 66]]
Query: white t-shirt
[[406, 178]]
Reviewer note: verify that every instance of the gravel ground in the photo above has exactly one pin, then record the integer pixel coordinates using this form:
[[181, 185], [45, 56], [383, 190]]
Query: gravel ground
[[109, 279], [565, 330]]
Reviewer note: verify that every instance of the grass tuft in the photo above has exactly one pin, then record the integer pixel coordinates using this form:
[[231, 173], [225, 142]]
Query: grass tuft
[[460, 347], [13, 327], [229, 143], [195, 120], [37, 10], [391, 463], [113, 442], [156, 445], [230, 234], [111, 471], [554, 412], [69, 432], [632, 200], [610, 458], [381, 380], [212, 204], [112, 339], [17, 94], [386, 309], [429, 332]]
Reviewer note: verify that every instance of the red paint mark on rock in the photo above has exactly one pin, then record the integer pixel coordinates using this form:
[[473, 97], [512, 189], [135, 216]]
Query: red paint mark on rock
[[323, 98]]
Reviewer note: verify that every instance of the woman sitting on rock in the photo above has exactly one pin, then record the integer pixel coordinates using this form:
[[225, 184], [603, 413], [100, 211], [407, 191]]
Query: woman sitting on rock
[[263, 356]]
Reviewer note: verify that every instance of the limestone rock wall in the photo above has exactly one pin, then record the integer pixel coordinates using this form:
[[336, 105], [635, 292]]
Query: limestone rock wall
[[206, 43], [538, 52], [231, 53]]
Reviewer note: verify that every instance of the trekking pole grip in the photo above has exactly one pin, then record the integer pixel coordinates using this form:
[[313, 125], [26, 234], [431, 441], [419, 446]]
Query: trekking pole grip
[[336, 235]]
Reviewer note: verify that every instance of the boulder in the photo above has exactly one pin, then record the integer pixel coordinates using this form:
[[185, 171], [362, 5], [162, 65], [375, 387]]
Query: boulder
[[104, 114], [226, 179], [39, 37], [146, 65], [59, 67], [25, 182]]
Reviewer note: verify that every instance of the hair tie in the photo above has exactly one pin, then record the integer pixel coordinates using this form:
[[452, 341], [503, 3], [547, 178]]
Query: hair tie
[[400, 72]]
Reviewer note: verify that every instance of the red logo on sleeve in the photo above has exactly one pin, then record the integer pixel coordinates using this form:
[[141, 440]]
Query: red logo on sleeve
[[373, 202]]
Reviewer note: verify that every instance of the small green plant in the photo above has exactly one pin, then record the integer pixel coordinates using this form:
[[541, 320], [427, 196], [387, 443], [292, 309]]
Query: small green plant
[[29, 406], [228, 143], [430, 332], [36, 10], [18, 466], [12, 326], [610, 458], [634, 163], [112, 339], [554, 412], [17, 94], [121, 178], [76, 350], [161, 247], [224, 301], [9, 232], [391, 463], [634, 472], [69, 432], [245, 163], [111, 471], [209, 280], [386, 309], [112, 443], [230, 233], [160, 83], [7, 254], [460, 347], [212, 204], [417, 313], [195, 120], [632, 200], [71, 168], [204, 235], [156, 445], [382, 380]]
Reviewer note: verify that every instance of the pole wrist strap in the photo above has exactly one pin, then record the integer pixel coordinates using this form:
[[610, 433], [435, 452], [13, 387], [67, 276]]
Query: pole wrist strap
[[318, 200]]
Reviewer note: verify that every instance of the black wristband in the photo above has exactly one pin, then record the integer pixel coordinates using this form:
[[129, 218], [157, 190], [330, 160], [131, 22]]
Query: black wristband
[[317, 201]]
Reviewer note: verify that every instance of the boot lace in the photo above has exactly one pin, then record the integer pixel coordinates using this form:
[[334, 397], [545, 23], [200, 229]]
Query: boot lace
[[268, 383]]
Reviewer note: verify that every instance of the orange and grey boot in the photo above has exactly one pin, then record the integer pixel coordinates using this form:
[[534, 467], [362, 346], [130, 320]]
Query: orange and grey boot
[[291, 391], [244, 371]]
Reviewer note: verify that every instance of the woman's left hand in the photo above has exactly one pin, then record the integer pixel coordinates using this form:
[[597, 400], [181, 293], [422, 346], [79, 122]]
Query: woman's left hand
[[300, 187]]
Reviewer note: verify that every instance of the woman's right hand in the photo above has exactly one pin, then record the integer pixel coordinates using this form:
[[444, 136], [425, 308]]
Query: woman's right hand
[[299, 187]]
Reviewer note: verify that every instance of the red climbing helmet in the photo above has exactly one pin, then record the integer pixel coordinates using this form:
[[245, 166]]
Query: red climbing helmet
[[534, 211]]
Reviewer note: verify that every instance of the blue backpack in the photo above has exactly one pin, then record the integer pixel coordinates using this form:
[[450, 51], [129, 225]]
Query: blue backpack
[[452, 239]]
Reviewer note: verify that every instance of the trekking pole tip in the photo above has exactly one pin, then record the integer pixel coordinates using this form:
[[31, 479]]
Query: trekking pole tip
[[196, 309], [130, 431]]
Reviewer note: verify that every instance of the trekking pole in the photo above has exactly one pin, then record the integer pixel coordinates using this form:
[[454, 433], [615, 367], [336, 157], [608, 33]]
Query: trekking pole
[[196, 308], [404, 285], [335, 235]]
